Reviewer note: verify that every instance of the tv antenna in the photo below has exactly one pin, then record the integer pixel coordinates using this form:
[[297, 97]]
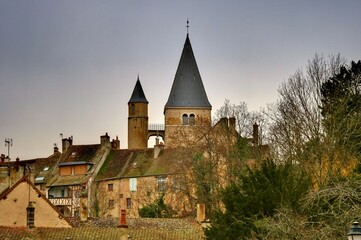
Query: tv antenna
[[8, 143]]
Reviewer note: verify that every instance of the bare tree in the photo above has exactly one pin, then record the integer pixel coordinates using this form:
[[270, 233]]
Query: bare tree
[[245, 119], [296, 131]]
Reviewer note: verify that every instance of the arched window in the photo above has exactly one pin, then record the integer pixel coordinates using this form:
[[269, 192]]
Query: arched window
[[192, 119], [132, 108], [185, 119]]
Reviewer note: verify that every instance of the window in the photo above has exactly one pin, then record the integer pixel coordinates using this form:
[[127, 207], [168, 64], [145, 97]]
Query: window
[[110, 187], [162, 184], [133, 184], [39, 178], [192, 119], [185, 119], [132, 108], [129, 202], [111, 203]]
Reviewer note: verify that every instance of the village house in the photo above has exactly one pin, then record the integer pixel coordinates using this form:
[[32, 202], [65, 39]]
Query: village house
[[70, 187], [23, 205]]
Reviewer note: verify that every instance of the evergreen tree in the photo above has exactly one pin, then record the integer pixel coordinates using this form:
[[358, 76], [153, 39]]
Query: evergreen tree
[[256, 195]]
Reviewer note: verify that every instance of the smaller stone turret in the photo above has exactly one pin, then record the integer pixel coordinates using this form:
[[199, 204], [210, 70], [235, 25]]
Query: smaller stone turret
[[138, 119]]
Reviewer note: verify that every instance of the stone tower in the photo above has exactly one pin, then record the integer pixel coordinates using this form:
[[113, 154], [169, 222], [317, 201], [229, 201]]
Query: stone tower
[[188, 104], [137, 119]]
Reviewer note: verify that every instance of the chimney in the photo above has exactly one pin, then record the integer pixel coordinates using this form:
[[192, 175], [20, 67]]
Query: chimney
[[105, 140], [116, 144], [2, 158], [56, 149], [255, 134], [17, 164], [232, 123], [66, 143], [157, 147], [122, 220]]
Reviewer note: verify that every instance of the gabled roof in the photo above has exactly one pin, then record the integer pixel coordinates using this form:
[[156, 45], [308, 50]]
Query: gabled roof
[[188, 89], [138, 95], [77, 155], [25, 179]]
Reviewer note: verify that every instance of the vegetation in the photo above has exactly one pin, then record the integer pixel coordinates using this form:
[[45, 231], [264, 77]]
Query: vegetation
[[158, 209], [256, 195], [309, 186]]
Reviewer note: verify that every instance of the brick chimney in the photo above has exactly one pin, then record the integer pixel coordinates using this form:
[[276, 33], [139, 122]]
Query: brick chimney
[[56, 149], [116, 143], [66, 143], [105, 140], [232, 123], [255, 134], [122, 219]]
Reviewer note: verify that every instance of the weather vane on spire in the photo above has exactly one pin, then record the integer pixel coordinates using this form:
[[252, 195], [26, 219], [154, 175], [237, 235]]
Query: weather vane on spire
[[187, 25]]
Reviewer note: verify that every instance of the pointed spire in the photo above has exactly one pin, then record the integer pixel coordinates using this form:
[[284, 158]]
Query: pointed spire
[[188, 89], [138, 94]]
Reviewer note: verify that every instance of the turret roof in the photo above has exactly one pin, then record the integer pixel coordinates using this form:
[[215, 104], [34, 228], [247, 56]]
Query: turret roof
[[187, 89], [138, 95]]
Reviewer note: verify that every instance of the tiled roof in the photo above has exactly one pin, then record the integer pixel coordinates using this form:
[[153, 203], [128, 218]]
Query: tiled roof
[[135, 163], [68, 180], [114, 164], [43, 167], [80, 153], [157, 229]]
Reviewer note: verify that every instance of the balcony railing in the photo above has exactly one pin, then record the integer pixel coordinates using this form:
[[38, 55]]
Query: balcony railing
[[156, 127], [61, 201]]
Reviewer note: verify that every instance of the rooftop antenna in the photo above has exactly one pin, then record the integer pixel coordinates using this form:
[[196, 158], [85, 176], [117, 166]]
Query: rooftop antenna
[[187, 26], [8, 143]]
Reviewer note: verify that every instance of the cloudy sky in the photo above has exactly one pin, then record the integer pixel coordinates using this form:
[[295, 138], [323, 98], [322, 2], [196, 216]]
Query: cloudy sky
[[70, 66]]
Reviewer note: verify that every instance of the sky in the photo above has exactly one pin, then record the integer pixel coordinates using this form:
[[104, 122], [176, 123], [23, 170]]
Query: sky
[[69, 67]]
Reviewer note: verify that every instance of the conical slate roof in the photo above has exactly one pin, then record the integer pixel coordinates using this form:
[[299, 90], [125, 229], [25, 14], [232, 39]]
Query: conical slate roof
[[138, 95], [187, 89]]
